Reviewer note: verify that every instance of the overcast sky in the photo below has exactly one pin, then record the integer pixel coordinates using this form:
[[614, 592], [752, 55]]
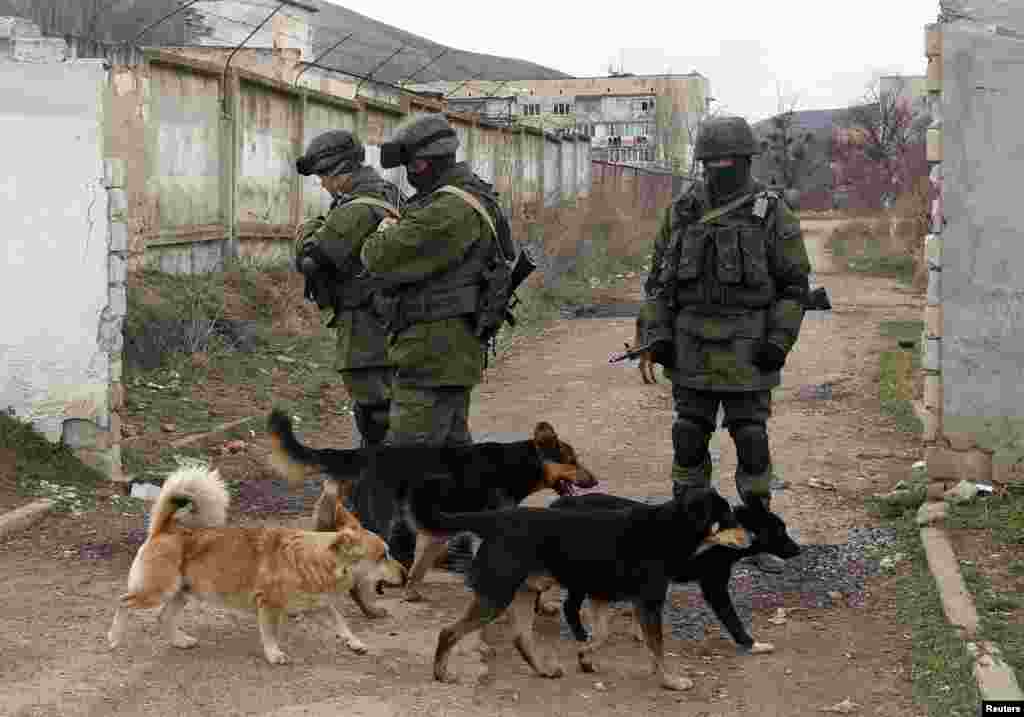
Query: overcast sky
[[821, 51]]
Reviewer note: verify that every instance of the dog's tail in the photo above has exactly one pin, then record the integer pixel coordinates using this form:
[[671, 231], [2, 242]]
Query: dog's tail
[[194, 486], [289, 458]]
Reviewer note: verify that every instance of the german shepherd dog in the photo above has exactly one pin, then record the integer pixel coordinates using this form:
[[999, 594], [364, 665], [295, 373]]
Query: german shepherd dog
[[606, 554], [479, 477], [712, 568]]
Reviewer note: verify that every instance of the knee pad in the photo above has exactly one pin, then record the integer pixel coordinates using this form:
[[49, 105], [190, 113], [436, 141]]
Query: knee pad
[[689, 442], [752, 452]]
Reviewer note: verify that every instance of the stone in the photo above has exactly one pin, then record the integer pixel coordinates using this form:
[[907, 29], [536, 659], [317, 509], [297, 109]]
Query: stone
[[963, 492], [959, 440], [118, 236], [931, 513], [935, 491], [942, 463], [116, 396], [976, 466]]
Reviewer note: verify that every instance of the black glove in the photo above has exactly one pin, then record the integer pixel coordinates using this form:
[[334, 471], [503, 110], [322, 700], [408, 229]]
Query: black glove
[[664, 352], [769, 357]]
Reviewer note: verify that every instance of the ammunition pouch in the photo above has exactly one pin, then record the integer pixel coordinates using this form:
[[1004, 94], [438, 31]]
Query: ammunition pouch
[[400, 312]]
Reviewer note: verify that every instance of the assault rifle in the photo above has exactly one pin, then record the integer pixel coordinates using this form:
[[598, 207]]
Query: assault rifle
[[816, 300]]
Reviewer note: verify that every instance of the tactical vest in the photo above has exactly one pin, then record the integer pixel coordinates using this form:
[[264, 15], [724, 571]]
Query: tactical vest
[[722, 258], [358, 288], [457, 291]]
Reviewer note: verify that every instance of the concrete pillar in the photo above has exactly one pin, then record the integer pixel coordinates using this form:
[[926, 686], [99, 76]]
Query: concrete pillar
[[117, 305]]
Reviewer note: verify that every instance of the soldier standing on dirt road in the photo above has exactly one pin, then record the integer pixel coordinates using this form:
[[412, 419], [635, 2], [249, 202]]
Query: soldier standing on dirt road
[[327, 251], [434, 257], [723, 309]]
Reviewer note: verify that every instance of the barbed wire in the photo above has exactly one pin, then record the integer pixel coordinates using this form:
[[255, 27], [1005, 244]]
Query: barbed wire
[[380, 48], [326, 60]]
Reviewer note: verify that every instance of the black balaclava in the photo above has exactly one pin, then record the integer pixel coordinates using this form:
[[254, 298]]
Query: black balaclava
[[724, 182], [428, 179]]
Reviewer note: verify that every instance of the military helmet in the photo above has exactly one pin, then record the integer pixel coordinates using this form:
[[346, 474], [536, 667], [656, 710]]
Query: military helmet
[[334, 152], [725, 137], [421, 136]]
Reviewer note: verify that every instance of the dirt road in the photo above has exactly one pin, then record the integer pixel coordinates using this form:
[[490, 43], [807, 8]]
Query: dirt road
[[57, 606]]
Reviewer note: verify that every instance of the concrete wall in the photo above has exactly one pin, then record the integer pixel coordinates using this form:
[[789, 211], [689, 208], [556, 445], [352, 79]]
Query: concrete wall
[[974, 355], [212, 174], [63, 281]]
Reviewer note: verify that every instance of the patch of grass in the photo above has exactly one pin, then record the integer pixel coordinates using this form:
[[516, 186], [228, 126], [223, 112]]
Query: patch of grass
[[896, 390], [49, 470], [1003, 519], [942, 670], [856, 242], [902, 330], [995, 617]]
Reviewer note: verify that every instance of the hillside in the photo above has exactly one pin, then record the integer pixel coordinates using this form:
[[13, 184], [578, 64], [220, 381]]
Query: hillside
[[116, 21]]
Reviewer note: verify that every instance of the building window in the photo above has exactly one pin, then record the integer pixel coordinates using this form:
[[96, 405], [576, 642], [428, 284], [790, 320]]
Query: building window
[[532, 109], [563, 108]]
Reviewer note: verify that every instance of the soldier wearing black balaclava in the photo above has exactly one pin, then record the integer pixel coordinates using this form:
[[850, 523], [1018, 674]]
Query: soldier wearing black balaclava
[[725, 301]]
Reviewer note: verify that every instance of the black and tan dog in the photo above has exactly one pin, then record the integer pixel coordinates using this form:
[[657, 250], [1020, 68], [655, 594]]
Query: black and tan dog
[[607, 554], [711, 568], [483, 476]]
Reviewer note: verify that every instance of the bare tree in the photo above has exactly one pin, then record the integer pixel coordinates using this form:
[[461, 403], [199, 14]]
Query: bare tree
[[880, 138], [790, 152]]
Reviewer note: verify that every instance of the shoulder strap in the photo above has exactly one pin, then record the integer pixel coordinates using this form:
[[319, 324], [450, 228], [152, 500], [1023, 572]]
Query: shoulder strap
[[723, 210], [473, 202], [379, 203]]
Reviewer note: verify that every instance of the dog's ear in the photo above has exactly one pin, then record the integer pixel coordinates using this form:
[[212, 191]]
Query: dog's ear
[[544, 435]]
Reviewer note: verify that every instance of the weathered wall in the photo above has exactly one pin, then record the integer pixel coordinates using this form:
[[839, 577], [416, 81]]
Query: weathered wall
[[974, 359], [212, 170], [60, 351]]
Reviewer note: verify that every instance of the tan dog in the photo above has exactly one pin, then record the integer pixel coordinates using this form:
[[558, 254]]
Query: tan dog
[[267, 570]]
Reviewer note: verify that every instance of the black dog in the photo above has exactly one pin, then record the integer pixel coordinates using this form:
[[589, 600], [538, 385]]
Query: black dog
[[607, 554], [712, 568], [483, 476]]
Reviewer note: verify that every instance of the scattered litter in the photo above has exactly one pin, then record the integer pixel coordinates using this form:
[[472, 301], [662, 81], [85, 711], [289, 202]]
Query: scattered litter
[[145, 491], [168, 427], [822, 484], [845, 707], [815, 392], [779, 618], [285, 359], [232, 447], [889, 561], [600, 687]]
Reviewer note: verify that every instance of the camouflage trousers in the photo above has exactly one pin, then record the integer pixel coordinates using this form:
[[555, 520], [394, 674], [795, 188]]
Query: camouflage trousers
[[370, 390], [698, 410], [434, 416]]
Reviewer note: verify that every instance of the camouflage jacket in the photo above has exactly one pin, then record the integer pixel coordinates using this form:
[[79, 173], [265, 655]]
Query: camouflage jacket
[[362, 337], [722, 281], [435, 257]]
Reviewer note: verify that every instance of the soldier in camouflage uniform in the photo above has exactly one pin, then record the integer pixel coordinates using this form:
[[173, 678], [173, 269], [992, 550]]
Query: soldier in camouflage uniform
[[723, 310], [435, 257], [362, 199]]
